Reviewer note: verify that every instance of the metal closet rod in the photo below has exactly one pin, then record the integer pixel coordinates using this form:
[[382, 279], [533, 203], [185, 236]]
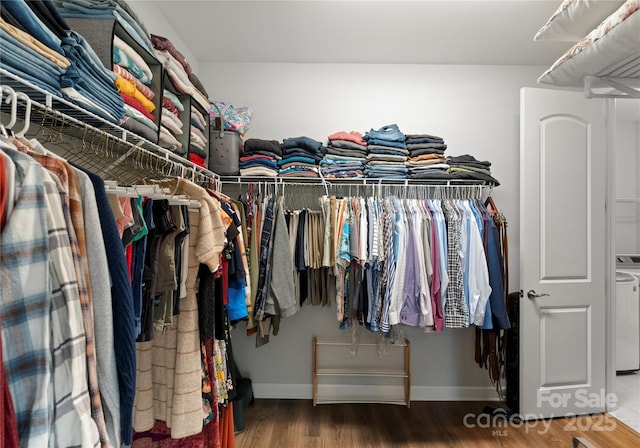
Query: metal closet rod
[[355, 182], [178, 166], [150, 191], [452, 189], [451, 183]]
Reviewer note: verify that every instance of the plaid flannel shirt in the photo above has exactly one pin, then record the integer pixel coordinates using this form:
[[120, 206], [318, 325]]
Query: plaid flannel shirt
[[456, 313], [25, 303], [73, 425], [75, 225]]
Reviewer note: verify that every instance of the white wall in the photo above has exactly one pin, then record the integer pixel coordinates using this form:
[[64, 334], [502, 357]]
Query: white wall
[[627, 180], [156, 23], [475, 109]]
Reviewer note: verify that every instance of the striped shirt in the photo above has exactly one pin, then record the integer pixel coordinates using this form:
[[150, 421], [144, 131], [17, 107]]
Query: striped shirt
[[265, 239], [382, 259], [372, 263], [390, 242]]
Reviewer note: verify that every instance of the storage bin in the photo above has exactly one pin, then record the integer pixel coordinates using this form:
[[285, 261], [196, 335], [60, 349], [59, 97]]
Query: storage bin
[[99, 34]]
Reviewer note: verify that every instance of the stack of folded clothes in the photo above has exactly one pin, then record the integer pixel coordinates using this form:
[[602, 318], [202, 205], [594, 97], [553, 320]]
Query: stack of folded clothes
[[138, 98], [39, 46], [387, 153], [30, 58], [171, 123], [178, 67], [346, 155], [131, 67], [301, 157], [198, 138], [112, 9], [179, 71], [468, 168], [260, 158], [426, 157]]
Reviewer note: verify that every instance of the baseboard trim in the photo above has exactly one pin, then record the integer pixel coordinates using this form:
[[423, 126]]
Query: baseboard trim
[[418, 393], [453, 393]]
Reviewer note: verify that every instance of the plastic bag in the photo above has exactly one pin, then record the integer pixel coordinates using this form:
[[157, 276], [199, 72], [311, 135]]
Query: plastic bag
[[384, 346], [355, 340], [395, 336], [236, 119]]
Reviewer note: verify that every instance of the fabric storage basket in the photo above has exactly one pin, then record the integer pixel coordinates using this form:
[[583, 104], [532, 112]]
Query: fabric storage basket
[[225, 150]]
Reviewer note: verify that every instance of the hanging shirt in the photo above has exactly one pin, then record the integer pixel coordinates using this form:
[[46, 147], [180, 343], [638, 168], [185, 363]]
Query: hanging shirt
[[354, 228], [401, 248], [363, 254], [436, 299], [390, 241], [98, 265], [424, 269], [26, 342], [343, 257], [264, 261], [77, 237], [326, 243], [374, 229], [293, 235], [73, 424], [123, 314], [475, 207], [435, 207], [477, 271], [465, 225], [496, 277], [410, 301], [456, 313], [372, 273]]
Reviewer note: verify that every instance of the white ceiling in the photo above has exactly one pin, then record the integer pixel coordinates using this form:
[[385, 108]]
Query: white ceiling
[[401, 32]]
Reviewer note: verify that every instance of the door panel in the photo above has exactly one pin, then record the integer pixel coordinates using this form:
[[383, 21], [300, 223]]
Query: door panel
[[562, 241], [564, 147], [566, 363]]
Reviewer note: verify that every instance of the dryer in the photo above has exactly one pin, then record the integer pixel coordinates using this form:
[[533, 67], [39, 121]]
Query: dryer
[[627, 322], [627, 312]]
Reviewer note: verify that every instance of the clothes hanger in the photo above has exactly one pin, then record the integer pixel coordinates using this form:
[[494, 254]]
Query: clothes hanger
[[490, 203], [27, 116], [4, 135], [3, 130], [11, 99]]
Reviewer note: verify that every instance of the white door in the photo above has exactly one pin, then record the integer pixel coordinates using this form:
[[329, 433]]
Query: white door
[[563, 167]]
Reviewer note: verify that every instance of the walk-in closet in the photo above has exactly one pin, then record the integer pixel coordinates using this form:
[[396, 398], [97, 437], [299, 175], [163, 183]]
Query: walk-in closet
[[319, 223]]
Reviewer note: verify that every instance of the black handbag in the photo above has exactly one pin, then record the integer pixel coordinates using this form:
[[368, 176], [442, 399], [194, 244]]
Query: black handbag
[[225, 149]]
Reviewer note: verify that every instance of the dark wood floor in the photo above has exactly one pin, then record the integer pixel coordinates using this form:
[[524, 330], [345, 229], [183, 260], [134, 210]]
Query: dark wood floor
[[297, 424]]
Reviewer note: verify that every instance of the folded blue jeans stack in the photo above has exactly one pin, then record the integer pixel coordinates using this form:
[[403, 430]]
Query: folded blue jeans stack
[[92, 80], [92, 83], [387, 153], [29, 64]]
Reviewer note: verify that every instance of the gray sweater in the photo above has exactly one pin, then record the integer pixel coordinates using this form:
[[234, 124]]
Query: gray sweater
[[102, 311]]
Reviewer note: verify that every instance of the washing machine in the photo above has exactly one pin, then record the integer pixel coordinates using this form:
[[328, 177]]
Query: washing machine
[[627, 312]]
